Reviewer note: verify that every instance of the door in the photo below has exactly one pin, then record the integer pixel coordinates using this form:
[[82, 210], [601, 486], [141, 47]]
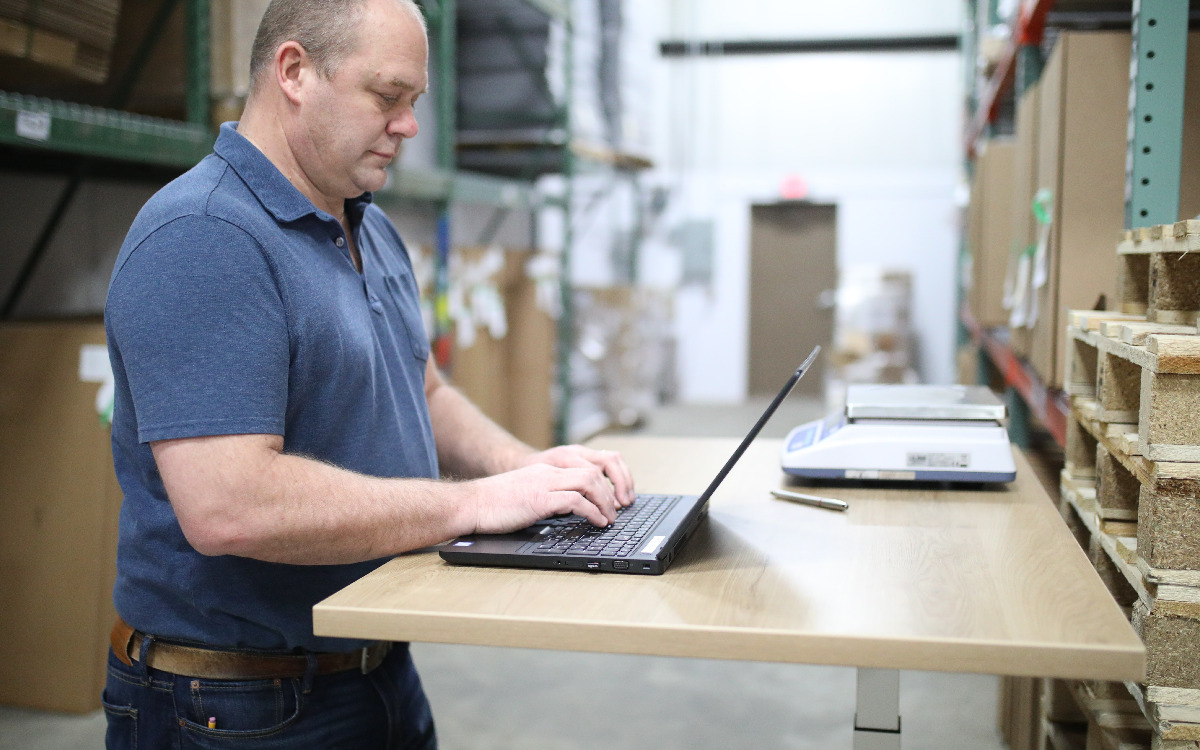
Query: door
[[793, 272]]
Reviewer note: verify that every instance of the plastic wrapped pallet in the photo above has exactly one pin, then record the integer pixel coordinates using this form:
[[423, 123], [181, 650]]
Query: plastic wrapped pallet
[[623, 362], [504, 334], [872, 339]]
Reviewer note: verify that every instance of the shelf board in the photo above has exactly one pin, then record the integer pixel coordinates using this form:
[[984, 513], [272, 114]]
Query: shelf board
[[519, 158], [556, 9], [1048, 405], [604, 156], [36, 123], [458, 187]]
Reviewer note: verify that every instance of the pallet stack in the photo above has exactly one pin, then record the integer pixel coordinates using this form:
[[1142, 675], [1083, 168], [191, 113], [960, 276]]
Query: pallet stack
[[1130, 489]]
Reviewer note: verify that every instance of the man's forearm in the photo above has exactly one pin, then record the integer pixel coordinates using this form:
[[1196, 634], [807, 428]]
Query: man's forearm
[[235, 496], [469, 444]]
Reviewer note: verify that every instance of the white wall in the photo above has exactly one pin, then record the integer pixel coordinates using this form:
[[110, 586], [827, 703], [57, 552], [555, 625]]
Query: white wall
[[878, 134]]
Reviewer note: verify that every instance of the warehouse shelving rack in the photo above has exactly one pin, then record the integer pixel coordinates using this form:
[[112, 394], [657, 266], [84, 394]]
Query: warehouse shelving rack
[[536, 141], [97, 135], [1085, 497], [1152, 192], [111, 134]]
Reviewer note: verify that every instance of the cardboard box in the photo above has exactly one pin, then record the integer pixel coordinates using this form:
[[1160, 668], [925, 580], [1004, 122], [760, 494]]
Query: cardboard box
[[232, 27], [1024, 187], [58, 518], [990, 230], [511, 378], [1081, 160], [76, 36]]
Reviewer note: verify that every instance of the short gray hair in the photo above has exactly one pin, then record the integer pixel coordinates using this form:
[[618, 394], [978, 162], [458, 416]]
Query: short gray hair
[[327, 29]]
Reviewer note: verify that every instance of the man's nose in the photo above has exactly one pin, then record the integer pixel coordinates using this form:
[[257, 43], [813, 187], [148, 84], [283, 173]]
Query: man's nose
[[404, 126]]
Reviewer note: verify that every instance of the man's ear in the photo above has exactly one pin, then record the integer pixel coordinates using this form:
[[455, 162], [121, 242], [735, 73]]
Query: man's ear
[[293, 69]]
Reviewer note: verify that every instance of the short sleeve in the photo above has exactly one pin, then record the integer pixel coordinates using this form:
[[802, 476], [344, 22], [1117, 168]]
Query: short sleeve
[[197, 321]]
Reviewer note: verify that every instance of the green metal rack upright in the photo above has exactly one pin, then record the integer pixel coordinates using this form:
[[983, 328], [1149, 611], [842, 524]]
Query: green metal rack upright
[[1156, 93]]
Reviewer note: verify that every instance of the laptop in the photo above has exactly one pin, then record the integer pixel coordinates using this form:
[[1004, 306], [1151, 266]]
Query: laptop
[[643, 540]]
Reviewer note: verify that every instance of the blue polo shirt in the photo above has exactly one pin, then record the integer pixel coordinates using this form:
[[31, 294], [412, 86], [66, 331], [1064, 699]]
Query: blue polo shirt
[[235, 308]]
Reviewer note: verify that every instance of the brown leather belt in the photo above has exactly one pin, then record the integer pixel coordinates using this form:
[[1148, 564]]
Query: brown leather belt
[[211, 664]]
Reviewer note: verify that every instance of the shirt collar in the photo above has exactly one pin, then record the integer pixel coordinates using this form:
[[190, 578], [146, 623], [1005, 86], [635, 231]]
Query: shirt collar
[[273, 190]]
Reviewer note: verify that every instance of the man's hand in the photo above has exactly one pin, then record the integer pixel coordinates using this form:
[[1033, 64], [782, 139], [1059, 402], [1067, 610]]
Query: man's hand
[[517, 498], [578, 457]]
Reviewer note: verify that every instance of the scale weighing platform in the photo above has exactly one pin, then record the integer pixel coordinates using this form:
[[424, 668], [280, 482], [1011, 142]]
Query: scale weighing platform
[[907, 433]]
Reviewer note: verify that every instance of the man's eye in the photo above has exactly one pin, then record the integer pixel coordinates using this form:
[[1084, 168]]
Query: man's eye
[[389, 100]]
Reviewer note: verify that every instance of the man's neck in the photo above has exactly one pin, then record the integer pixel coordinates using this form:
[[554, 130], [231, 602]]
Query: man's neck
[[264, 130]]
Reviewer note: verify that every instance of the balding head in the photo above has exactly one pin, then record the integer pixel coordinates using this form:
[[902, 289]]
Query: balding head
[[326, 29]]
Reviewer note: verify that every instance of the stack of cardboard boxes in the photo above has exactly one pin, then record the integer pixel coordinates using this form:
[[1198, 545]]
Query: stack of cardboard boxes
[[75, 36], [1068, 158], [505, 363]]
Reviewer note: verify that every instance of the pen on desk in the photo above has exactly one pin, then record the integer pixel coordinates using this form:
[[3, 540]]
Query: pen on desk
[[814, 500]]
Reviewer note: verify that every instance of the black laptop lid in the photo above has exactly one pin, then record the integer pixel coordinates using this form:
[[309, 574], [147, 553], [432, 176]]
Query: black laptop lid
[[762, 421]]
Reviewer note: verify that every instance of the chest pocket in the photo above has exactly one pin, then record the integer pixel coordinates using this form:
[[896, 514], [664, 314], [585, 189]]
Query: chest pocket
[[400, 300]]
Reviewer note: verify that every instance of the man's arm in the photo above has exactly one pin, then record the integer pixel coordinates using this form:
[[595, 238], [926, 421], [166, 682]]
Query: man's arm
[[241, 495], [471, 445]]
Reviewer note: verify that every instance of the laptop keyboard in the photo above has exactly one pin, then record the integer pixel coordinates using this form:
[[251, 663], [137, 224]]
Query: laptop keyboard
[[575, 535]]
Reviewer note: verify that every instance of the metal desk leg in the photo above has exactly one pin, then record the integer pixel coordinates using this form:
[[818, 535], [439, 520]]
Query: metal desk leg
[[877, 711]]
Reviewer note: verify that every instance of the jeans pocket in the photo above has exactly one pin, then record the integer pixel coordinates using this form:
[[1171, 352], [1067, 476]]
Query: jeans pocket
[[121, 733], [211, 712]]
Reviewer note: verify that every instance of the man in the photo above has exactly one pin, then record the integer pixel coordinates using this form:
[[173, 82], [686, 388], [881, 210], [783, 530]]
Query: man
[[279, 427]]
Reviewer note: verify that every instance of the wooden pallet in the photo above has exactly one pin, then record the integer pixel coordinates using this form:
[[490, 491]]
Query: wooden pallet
[[1173, 713], [1136, 543], [1115, 715], [1130, 489], [1141, 373], [1159, 272], [1114, 720], [1163, 604], [1161, 743], [1057, 735], [1166, 495]]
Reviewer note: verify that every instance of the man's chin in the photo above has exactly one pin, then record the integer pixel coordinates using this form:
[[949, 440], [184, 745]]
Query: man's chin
[[372, 181]]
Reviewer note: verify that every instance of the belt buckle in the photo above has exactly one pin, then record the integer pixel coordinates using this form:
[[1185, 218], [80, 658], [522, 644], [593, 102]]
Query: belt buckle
[[366, 663]]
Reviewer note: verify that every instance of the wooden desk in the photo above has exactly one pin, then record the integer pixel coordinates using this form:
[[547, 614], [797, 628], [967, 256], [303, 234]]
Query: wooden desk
[[986, 581]]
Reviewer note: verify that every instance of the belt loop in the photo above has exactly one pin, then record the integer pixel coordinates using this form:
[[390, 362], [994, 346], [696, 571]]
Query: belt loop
[[310, 672], [144, 660]]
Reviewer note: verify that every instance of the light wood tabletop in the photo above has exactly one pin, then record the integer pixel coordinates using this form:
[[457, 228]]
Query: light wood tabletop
[[980, 580]]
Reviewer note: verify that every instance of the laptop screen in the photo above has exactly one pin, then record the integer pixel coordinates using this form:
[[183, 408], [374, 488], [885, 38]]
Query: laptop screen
[[762, 421]]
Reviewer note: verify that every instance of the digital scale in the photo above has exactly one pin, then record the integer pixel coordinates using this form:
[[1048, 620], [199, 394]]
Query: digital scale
[[908, 433]]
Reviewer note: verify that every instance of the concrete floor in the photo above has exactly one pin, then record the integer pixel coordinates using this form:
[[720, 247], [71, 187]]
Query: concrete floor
[[517, 698]]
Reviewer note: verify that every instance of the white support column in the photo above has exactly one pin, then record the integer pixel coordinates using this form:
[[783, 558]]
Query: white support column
[[877, 710]]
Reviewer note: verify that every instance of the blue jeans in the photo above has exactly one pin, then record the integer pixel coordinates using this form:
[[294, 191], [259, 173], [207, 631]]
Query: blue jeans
[[149, 709]]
